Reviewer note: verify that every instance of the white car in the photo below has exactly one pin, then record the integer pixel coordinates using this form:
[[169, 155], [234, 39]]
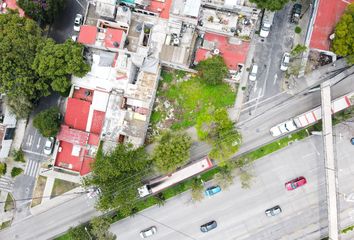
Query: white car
[[93, 192], [148, 232], [253, 73], [78, 22], [283, 128], [265, 30], [74, 38], [48, 146], [284, 64]]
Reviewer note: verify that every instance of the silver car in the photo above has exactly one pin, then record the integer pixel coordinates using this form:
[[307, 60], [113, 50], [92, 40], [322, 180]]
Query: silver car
[[285, 62], [273, 211], [148, 232], [48, 146], [78, 22]]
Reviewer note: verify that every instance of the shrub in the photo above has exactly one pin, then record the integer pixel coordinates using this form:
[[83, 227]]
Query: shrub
[[18, 155], [298, 29], [16, 171], [2, 168]]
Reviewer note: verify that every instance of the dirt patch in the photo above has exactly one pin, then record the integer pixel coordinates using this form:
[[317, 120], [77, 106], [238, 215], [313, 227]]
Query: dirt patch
[[61, 186], [38, 191]]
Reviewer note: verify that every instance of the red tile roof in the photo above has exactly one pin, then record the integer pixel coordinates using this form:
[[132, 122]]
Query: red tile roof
[[201, 55], [66, 160], [87, 34], [77, 112], [73, 136], [232, 54], [113, 35], [160, 7], [86, 165], [12, 4], [83, 94], [94, 139], [328, 14], [97, 122]]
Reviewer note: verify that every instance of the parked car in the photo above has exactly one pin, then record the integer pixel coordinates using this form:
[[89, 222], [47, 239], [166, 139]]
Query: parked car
[[74, 38], [284, 64], [253, 73], [208, 226], [78, 22], [295, 183], [148, 232], [296, 13], [48, 146], [93, 192], [210, 191], [273, 211], [266, 24], [352, 141]]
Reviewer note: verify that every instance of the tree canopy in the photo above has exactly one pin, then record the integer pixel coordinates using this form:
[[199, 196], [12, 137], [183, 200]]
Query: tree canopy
[[172, 151], [42, 10], [212, 70], [343, 43], [119, 174], [216, 128], [272, 5], [56, 62], [100, 229], [48, 122], [28, 62]]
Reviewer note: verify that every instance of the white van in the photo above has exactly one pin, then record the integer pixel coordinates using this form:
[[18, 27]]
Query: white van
[[267, 22]]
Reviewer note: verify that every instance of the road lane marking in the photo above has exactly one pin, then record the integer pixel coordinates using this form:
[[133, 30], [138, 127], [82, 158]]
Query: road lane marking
[[29, 140], [39, 141], [80, 4], [35, 153], [275, 79], [264, 100], [255, 87]]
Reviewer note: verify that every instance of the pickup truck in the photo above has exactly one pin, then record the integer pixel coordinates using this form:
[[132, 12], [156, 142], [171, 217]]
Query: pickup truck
[[296, 13]]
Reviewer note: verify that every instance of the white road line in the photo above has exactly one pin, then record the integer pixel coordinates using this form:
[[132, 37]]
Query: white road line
[[267, 99], [275, 79], [39, 141], [255, 87], [29, 142], [80, 4], [28, 167], [35, 153]]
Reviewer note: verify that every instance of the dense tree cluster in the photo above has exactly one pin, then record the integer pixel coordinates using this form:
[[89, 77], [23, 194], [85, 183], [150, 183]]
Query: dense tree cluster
[[272, 5], [42, 10], [48, 122], [343, 43], [172, 151], [213, 70], [31, 66]]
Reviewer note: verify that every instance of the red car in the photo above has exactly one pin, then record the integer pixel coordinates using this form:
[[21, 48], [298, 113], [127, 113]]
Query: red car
[[295, 183]]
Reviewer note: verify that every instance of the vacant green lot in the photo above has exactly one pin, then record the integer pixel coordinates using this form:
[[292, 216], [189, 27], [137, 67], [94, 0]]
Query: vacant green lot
[[188, 97], [61, 186]]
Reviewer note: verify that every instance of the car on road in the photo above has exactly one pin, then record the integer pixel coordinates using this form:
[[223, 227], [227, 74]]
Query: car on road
[[352, 141], [208, 226], [93, 192], [295, 183], [273, 211], [78, 22], [253, 73], [283, 128], [210, 191], [284, 64], [48, 146], [296, 13], [148, 232]]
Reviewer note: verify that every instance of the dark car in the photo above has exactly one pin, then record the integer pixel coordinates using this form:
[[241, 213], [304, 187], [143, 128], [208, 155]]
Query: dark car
[[296, 13], [208, 226], [273, 211], [352, 141]]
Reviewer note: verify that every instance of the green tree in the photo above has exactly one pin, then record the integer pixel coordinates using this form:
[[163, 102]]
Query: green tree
[[224, 177], [197, 190], [272, 5], [216, 128], [343, 43], [2, 168], [118, 174], [42, 10], [19, 155], [212, 70], [48, 122], [56, 62], [19, 39], [172, 151], [16, 171], [100, 227], [78, 233]]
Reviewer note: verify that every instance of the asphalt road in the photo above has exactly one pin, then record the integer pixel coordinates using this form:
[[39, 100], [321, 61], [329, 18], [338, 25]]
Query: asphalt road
[[240, 212]]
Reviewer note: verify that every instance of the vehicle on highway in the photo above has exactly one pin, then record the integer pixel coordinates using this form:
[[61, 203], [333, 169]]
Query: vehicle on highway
[[148, 232], [284, 64], [296, 13], [210, 191], [310, 117], [273, 211], [48, 146], [160, 183], [295, 183], [253, 73], [267, 22], [78, 22], [208, 226], [352, 141]]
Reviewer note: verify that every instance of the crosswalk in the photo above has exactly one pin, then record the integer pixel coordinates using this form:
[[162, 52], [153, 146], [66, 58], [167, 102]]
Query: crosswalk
[[32, 168], [6, 184]]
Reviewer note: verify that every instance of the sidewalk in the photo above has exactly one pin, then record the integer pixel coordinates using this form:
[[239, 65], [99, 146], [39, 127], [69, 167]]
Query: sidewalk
[[4, 216], [19, 134], [48, 189]]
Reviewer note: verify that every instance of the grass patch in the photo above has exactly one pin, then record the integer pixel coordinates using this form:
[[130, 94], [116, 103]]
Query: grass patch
[[9, 203], [16, 171], [156, 116], [347, 229], [166, 76], [3, 168], [38, 191], [64, 237], [191, 98], [61, 186], [5, 224]]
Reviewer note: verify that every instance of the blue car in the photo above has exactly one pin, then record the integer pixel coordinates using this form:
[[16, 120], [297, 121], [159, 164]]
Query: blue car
[[352, 141], [210, 191]]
